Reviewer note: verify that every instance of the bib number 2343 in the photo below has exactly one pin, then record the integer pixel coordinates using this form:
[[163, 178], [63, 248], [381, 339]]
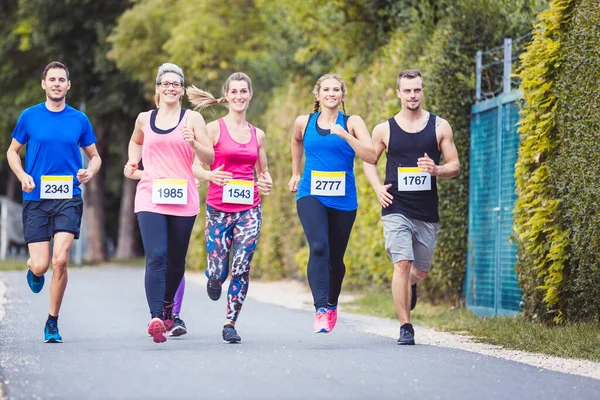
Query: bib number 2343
[[56, 187], [328, 183], [169, 191], [413, 180]]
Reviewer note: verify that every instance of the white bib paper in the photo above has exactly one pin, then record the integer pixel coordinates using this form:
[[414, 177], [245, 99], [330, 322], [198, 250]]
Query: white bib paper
[[413, 180], [238, 192], [328, 183], [169, 191], [56, 187]]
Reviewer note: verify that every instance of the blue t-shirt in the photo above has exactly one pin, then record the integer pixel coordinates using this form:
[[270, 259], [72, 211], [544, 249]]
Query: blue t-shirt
[[53, 140], [328, 153]]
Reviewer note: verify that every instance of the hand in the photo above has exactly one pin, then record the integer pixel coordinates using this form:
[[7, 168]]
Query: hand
[[130, 169], [27, 184], [336, 129], [293, 183], [384, 197], [427, 164], [83, 176], [265, 183], [220, 177], [188, 136], [197, 183]]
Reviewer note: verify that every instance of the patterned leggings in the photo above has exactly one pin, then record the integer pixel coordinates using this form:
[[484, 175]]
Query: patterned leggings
[[222, 230]]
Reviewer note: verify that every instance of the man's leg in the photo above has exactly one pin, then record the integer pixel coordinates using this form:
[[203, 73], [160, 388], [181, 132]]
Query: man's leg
[[401, 281], [39, 257], [60, 258]]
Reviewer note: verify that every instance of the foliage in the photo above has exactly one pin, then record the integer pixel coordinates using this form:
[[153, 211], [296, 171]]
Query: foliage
[[575, 167], [542, 241]]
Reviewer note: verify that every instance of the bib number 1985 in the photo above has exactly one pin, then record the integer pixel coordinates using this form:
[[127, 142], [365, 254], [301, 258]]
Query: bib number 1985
[[169, 191]]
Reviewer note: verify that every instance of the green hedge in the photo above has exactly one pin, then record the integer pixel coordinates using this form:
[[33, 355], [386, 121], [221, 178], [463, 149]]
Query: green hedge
[[576, 168]]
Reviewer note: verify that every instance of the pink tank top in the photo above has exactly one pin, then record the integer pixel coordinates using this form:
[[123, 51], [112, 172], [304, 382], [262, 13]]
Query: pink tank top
[[239, 159], [167, 156]]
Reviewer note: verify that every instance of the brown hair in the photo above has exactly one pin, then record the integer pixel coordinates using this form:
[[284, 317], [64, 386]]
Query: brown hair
[[318, 87], [408, 74], [203, 98], [55, 65]]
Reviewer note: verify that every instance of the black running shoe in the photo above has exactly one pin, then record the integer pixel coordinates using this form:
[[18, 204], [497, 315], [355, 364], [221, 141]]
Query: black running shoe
[[413, 296], [407, 334], [230, 335], [179, 328], [213, 288]]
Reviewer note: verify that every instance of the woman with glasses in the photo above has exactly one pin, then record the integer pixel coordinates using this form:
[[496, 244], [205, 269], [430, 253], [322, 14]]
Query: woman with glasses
[[167, 139]]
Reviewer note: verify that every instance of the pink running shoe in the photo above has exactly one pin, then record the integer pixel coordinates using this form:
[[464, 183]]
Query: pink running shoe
[[156, 329], [321, 324], [331, 318]]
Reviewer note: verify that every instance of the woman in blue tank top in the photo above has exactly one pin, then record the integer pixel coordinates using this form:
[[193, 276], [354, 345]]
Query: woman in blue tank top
[[326, 190]]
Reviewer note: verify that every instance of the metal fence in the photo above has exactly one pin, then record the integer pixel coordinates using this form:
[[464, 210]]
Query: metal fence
[[491, 285]]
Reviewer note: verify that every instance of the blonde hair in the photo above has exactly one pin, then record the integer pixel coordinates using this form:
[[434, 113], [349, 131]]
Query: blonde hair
[[318, 87], [164, 69], [203, 98]]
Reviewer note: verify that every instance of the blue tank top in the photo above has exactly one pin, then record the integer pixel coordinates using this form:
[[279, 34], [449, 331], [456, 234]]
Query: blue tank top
[[328, 153]]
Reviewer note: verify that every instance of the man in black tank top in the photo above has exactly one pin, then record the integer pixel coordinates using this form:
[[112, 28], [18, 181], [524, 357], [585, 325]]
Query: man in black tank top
[[414, 140]]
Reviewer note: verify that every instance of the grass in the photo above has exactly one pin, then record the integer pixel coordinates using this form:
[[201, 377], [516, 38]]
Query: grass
[[20, 264], [580, 341], [13, 265]]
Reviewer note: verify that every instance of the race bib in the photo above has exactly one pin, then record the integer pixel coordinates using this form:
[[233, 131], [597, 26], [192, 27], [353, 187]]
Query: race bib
[[56, 187], [413, 180], [327, 183], [169, 191], [238, 192]]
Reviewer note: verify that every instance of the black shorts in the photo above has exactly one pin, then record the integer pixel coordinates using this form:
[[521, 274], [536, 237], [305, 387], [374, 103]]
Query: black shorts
[[42, 219]]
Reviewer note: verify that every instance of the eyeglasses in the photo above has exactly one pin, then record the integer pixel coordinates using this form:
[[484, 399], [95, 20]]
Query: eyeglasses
[[164, 85]]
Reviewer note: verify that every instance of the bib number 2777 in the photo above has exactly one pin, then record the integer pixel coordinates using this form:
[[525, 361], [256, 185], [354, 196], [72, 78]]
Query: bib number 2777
[[328, 183]]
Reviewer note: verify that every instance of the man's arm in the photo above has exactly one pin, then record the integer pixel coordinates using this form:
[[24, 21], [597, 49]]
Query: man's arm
[[380, 133], [451, 166], [14, 161], [84, 175]]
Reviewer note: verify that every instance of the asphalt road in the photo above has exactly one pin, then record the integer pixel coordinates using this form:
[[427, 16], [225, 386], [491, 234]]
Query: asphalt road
[[107, 354]]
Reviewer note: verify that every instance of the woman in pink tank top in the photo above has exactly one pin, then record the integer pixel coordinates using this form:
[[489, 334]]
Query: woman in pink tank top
[[233, 210], [168, 140]]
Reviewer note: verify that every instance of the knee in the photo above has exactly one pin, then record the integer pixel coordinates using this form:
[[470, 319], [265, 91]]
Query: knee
[[59, 262], [402, 266], [38, 268], [319, 249], [420, 274], [156, 260]]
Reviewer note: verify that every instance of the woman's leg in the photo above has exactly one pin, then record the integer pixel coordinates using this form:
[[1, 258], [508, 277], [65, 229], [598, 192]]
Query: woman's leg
[[218, 234], [245, 238], [340, 227], [153, 228], [314, 219]]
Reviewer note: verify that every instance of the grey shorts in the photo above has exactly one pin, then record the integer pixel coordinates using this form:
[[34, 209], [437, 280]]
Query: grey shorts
[[410, 239]]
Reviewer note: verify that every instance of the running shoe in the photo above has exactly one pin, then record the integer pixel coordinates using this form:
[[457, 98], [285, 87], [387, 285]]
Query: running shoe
[[230, 335], [413, 296], [213, 288], [407, 335], [51, 334], [321, 324], [168, 317], [35, 287], [331, 318], [179, 328], [156, 329]]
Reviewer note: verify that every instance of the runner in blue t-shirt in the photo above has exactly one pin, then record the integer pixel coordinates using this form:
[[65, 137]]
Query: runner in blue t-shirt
[[52, 204], [326, 199]]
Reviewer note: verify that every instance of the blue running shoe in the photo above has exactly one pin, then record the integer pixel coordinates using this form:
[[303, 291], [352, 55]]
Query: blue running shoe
[[51, 334], [35, 287]]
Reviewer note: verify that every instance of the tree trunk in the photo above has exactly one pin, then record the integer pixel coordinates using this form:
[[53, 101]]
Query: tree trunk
[[11, 188], [93, 207], [127, 224]]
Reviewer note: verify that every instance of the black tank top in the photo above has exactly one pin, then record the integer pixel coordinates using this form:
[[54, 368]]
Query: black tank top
[[403, 150]]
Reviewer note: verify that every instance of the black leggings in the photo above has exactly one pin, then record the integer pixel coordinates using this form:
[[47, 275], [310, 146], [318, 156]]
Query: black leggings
[[327, 231], [166, 239]]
